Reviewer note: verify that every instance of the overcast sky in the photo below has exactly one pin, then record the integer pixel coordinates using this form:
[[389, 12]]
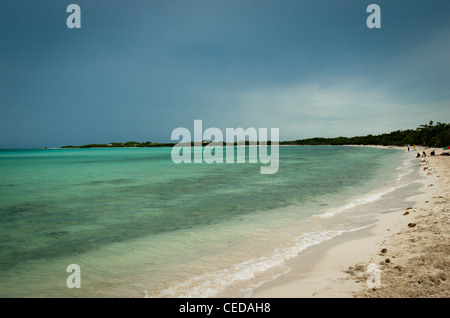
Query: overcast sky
[[136, 70]]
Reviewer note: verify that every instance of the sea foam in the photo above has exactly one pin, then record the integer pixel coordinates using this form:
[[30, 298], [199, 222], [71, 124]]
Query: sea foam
[[213, 284]]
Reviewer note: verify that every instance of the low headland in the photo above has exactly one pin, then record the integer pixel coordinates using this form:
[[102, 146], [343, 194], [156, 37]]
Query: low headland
[[428, 135]]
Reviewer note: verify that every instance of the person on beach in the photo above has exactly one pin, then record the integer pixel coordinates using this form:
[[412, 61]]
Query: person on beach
[[424, 154], [418, 155]]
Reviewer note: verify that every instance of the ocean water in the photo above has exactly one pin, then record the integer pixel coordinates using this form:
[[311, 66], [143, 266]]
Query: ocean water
[[138, 224]]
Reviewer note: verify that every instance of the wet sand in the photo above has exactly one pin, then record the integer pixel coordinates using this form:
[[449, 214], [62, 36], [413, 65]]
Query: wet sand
[[408, 250]]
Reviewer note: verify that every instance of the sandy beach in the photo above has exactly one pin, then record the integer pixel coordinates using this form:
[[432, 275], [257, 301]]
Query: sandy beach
[[408, 250]]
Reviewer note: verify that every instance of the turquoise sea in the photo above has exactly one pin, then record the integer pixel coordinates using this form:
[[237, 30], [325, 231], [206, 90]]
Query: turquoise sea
[[138, 224]]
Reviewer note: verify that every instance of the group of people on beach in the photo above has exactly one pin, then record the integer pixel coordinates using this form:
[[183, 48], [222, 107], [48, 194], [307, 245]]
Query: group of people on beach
[[446, 151], [432, 153]]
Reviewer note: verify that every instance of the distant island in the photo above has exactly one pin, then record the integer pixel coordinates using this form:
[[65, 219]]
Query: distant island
[[127, 144], [430, 135]]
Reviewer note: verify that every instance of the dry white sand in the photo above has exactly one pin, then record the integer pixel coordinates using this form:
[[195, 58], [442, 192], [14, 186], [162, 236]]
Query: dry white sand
[[410, 248]]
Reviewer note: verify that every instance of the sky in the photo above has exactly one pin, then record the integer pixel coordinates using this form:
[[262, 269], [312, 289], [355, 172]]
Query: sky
[[136, 70]]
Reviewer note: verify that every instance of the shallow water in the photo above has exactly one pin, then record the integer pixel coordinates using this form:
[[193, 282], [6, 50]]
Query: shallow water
[[137, 223]]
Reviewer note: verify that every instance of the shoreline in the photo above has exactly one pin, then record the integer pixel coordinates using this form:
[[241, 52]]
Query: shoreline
[[413, 260]]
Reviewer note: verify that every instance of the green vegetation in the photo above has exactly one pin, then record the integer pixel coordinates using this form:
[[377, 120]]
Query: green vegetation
[[430, 135], [127, 144], [136, 144]]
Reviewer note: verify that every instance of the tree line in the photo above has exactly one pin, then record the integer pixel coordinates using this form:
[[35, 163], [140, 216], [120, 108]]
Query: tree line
[[430, 135], [127, 144]]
